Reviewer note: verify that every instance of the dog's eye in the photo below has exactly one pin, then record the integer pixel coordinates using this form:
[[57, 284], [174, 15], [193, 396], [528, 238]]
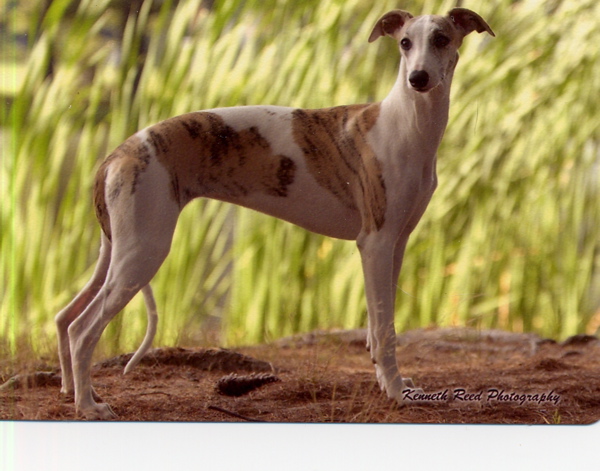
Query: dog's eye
[[405, 44], [441, 41]]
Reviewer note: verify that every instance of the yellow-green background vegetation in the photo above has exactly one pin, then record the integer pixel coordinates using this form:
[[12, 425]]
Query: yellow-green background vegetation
[[511, 239]]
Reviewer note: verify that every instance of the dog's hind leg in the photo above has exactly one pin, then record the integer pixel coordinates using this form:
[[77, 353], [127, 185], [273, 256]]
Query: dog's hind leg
[[142, 223], [134, 262], [65, 317]]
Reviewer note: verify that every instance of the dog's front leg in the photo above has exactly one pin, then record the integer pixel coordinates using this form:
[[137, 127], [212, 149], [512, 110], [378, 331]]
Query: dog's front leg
[[377, 250]]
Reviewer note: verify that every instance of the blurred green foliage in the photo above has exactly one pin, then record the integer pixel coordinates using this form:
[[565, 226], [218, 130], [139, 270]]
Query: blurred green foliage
[[511, 239]]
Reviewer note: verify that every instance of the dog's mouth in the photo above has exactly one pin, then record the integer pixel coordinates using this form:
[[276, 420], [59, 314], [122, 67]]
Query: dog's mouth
[[422, 89]]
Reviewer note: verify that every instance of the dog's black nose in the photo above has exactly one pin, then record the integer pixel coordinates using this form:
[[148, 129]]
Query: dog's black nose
[[418, 79]]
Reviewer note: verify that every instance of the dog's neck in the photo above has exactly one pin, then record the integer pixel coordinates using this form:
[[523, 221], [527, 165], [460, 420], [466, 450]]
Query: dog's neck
[[420, 114]]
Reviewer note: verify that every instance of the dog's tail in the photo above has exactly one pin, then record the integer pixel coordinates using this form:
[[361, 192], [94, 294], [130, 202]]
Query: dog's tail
[[150, 329]]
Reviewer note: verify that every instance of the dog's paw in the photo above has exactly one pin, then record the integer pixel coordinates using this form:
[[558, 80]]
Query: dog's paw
[[97, 412], [398, 388], [393, 386]]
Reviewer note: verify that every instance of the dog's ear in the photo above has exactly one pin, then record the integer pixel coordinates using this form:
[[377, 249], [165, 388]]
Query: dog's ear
[[467, 21], [389, 24]]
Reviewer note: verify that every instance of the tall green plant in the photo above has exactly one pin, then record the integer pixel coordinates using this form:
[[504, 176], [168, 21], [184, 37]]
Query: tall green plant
[[510, 239]]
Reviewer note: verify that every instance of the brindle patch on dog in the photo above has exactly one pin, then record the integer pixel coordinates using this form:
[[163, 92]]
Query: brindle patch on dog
[[334, 143], [132, 157], [100, 201], [228, 164]]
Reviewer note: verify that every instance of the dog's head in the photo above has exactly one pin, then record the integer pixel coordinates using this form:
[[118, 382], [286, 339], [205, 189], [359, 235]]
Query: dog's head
[[429, 44]]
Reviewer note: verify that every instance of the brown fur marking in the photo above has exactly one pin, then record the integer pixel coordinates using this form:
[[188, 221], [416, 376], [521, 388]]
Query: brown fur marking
[[132, 157], [338, 156], [228, 165], [100, 200]]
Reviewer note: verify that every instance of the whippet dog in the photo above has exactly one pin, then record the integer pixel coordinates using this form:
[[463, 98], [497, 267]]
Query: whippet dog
[[359, 172]]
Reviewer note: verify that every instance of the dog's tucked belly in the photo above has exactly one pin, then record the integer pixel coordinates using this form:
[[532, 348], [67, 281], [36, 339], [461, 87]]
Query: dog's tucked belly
[[307, 205]]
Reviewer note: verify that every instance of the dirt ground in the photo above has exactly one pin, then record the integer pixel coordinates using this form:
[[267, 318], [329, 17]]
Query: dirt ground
[[467, 376]]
